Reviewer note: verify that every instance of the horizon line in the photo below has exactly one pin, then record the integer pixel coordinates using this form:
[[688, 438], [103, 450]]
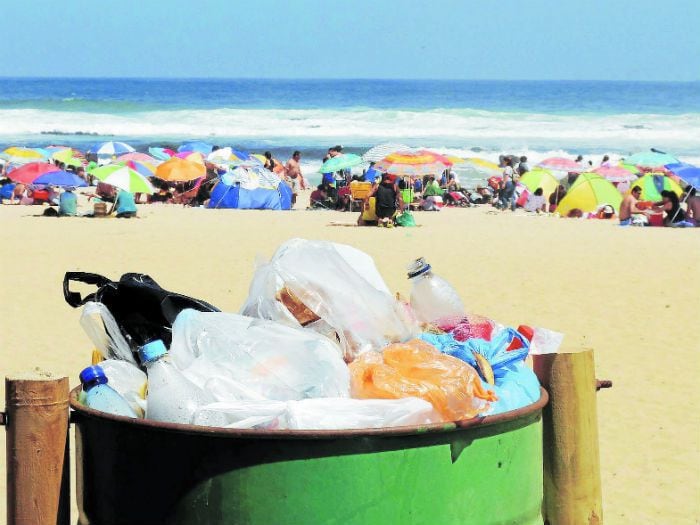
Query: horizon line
[[327, 79]]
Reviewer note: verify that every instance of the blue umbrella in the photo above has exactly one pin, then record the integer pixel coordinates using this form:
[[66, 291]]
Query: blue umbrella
[[60, 178], [687, 172], [160, 153], [198, 146]]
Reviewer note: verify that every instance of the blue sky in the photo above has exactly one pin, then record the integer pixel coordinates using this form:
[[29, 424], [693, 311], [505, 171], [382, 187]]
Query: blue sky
[[487, 39]]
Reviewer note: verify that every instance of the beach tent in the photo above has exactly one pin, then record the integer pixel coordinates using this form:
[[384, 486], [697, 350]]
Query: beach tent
[[251, 188], [653, 184], [539, 178], [588, 193]]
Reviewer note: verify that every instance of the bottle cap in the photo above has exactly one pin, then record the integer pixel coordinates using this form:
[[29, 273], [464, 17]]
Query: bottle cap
[[152, 351], [418, 267], [92, 374]]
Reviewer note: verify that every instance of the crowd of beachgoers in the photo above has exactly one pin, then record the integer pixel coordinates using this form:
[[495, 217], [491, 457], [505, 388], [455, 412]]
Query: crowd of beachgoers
[[388, 181]]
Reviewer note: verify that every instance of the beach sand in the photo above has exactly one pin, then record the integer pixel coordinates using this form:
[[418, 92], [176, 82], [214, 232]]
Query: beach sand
[[629, 293]]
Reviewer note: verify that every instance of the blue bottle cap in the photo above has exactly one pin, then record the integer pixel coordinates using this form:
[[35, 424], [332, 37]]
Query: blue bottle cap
[[418, 267], [152, 351], [92, 374]]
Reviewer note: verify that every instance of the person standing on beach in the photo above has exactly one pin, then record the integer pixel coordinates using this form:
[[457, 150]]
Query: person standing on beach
[[294, 176]]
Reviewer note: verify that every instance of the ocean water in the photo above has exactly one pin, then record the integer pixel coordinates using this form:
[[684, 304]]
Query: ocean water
[[474, 118]]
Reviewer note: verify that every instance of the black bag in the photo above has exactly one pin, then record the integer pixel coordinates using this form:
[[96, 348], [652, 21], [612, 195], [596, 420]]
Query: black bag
[[143, 310]]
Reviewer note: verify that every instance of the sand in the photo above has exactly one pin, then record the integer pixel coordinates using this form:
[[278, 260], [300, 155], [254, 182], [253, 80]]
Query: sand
[[629, 293]]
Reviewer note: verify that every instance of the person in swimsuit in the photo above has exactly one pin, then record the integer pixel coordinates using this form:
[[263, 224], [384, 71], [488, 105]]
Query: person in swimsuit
[[628, 208]]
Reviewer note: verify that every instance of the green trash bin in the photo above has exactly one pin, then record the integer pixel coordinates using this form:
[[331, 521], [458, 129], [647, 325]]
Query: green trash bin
[[138, 472]]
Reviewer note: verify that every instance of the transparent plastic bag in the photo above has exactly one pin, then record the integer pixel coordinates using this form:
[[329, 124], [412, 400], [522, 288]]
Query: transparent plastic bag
[[256, 359], [102, 329], [417, 369], [310, 280], [319, 414]]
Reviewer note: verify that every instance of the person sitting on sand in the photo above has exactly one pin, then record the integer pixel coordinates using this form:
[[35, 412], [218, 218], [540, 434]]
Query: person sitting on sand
[[388, 197], [535, 202], [693, 204], [671, 206], [68, 203], [629, 208], [124, 205]]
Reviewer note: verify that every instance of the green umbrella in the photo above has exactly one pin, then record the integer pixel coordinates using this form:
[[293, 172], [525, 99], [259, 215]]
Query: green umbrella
[[651, 159], [340, 162], [124, 178]]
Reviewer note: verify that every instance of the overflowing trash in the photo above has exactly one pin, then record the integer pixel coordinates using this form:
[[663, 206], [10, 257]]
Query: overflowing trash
[[320, 344]]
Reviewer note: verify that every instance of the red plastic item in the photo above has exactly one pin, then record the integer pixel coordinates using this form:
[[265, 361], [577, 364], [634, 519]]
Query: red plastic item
[[524, 330]]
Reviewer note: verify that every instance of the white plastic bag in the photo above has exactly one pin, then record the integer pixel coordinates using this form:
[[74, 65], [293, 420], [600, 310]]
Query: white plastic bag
[[102, 329], [256, 359], [319, 414], [337, 283]]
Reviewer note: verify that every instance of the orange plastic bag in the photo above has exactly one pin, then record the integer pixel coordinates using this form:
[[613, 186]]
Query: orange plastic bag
[[418, 369]]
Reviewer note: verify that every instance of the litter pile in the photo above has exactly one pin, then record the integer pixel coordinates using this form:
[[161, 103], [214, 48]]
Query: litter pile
[[320, 343]]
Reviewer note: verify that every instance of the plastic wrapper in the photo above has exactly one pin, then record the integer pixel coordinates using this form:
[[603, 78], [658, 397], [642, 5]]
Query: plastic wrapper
[[336, 283], [418, 369], [240, 358], [320, 414], [102, 329]]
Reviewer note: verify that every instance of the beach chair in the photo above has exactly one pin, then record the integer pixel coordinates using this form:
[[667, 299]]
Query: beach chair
[[359, 192]]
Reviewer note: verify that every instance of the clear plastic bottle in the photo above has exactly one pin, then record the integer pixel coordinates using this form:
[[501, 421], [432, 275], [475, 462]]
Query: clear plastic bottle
[[432, 297], [129, 380], [100, 396], [171, 396]]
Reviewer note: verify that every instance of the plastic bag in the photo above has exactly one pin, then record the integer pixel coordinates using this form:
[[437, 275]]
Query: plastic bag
[[102, 329], [406, 220], [417, 369], [256, 359], [306, 281], [320, 414]]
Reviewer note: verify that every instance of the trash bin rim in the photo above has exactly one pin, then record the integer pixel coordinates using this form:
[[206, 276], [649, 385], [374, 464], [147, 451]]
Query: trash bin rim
[[79, 411]]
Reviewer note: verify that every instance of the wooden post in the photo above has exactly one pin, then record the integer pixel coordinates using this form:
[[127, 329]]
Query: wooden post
[[38, 476], [572, 491]]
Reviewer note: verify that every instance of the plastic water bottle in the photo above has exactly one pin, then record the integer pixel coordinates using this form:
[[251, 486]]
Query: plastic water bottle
[[127, 379], [171, 396], [432, 297], [100, 396]]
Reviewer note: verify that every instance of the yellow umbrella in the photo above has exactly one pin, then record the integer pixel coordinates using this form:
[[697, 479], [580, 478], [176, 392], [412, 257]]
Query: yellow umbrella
[[180, 170], [23, 155], [588, 193], [540, 178]]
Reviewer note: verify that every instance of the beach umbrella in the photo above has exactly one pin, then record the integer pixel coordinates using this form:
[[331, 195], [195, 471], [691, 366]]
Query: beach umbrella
[[196, 146], [340, 162], [377, 153], [540, 178], [180, 170], [615, 173], [143, 168], [411, 164], [651, 159], [136, 156], [279, 167], [19, 155], [222, 156], [60, 178], [123, 177], [686, 172], [439, 157], [69, 157], [653, 184], [30, 171], [161, 153], [561, 164], [110, 148], [589, 193], [192, 156]]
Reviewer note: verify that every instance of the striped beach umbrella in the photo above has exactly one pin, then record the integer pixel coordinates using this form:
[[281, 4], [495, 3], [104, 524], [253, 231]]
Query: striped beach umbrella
[[615, 173], [377, 153], [652, 184], [21, 155], [123, 177], [412, 164], [137, 156], [561, 164], [110, 148], [144, 168], [161, 153]]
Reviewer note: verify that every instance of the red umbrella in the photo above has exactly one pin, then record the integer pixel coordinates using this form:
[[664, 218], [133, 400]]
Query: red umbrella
[[27, 173]]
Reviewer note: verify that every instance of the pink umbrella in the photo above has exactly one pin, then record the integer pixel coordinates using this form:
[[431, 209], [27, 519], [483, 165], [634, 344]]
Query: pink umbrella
[[27, 173], [561, 164], [137, 156], [615, 173]]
